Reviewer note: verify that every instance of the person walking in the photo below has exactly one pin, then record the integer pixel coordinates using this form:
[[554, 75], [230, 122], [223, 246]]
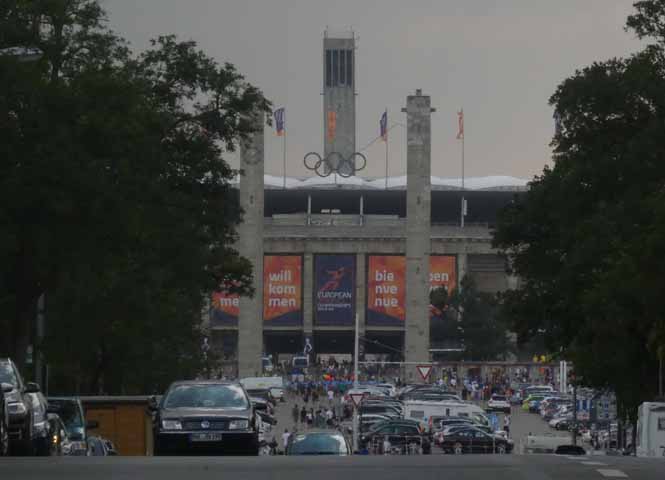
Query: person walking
[[331, 396], [506, 424], [303, 415], [310, 418], [285, 439], [295, 413]]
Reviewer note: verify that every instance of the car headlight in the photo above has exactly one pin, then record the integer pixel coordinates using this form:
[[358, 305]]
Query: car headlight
[[238, 424], [171, 425], [16, 408]]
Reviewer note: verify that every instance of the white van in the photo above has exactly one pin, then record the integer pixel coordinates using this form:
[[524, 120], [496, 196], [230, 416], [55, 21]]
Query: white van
[[274, 384], [651, 429], [422, 410]]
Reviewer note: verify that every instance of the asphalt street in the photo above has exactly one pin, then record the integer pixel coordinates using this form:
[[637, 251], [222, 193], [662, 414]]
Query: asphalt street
[[472, 467]]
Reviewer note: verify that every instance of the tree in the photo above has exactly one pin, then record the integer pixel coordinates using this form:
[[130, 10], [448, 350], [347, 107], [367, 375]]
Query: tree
[[587, 237], [470, 319], [115, 196]]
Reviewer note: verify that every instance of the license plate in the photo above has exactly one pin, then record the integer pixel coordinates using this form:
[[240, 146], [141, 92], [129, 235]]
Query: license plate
[[205, 437]]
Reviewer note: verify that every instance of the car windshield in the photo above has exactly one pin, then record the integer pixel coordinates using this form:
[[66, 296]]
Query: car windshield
[[206, 396], [7, 374], [318, 444], [498, 398], [69, 412]]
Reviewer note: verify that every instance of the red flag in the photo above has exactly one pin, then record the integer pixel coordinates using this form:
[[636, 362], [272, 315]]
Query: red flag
[[460, 124]]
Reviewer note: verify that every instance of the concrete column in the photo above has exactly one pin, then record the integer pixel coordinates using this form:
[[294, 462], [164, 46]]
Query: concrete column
[[308, 294], [250, 246], [462, 267], [361, 291], [418, 223]]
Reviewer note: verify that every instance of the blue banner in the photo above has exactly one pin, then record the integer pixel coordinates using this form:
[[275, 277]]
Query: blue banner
[[335, 292]]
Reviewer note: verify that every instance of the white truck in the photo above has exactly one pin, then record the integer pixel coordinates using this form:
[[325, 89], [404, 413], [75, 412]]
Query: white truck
[[422, 410], [274, 384], [650, 441]]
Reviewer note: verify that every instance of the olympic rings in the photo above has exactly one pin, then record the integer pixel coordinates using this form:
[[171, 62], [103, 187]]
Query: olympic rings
[[335, 163]]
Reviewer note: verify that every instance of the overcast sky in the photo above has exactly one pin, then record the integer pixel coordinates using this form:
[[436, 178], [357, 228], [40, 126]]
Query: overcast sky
[[499, 60]]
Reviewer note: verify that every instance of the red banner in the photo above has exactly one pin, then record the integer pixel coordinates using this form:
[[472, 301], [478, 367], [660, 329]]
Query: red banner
[[386, 282], [282, 289], [225, 309]]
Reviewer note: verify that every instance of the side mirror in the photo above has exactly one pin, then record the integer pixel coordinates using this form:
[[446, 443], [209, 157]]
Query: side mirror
[[52, 417], [31, 387], [91, 424], [7, 387], [152, 403]]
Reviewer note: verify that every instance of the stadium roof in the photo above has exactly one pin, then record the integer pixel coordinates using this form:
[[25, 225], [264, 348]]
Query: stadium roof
[[490, 183]]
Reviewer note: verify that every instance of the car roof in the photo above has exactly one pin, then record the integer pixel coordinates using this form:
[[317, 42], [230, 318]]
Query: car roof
[[204, 382]]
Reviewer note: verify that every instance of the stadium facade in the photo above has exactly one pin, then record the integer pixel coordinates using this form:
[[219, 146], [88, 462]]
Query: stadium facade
[[325, 249]]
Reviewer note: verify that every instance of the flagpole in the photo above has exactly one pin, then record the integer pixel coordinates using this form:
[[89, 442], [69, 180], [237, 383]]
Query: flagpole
[[386, 148], [284, 159], [463, 136]]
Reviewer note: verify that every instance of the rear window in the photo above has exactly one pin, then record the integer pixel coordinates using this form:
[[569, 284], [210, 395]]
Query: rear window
[[498, 398]]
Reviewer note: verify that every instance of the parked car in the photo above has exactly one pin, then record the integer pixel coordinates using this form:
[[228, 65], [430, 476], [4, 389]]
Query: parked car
[[325, 442], [41, 429], [70, 410], [58, 439], [400, 434], [4, 420], [205, 417], [473, 440], [498, 403], [19, 407], [101, 447]]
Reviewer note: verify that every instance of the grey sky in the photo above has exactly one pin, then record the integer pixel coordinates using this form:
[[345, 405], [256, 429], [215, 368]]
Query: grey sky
[[499, 60]]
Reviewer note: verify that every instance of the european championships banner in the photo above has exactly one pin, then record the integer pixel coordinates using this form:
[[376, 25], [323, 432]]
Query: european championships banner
[[225, 309], [334, 297], [282, 290], [386, 290]]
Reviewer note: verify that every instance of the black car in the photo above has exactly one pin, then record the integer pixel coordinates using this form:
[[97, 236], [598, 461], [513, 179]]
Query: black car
[[4, 420], [401, 435], [19, 407], [205, 417], [318, 443], [70, 410], [59, 442], [474, 440], [41, 434], [101, 447]]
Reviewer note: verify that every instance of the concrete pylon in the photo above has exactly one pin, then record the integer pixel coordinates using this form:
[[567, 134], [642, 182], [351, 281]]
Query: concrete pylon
[[418, 240], [250, 246]]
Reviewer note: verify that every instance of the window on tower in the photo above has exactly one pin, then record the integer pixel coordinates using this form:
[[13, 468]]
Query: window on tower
[[349, 68], [342, 67], [335, 67], [328, 68]]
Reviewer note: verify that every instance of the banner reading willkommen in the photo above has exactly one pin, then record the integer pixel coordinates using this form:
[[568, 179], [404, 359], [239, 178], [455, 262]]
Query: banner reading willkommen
[[386, 290], [334, 295], [225, 309], [282, 290]]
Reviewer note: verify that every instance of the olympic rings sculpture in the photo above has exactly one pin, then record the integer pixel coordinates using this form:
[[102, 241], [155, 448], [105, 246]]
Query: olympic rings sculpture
[[335, 163]]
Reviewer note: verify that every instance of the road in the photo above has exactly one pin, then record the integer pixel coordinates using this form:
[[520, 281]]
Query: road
[[471, 467]]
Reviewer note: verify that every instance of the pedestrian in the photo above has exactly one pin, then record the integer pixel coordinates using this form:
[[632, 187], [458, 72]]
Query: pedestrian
[[310, 418], [331, 395], [506, 424], [303, 415], [295, 413], [329, 417], [285, 438]]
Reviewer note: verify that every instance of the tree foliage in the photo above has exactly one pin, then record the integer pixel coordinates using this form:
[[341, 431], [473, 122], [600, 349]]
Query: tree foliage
[[587, 238], [114, 195], [469, 319]]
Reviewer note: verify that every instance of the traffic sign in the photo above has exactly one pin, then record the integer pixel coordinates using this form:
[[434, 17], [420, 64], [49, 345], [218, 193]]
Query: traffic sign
[[424, 371], [357, 398]]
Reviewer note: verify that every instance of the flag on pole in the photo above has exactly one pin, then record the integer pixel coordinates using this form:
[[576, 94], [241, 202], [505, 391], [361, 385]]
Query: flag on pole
[[332, 124], [383, 126], [460, 124], [557, 123], [279, 121]]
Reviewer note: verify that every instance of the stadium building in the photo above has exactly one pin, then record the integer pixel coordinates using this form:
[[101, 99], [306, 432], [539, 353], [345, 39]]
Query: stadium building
[[332, 246]]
